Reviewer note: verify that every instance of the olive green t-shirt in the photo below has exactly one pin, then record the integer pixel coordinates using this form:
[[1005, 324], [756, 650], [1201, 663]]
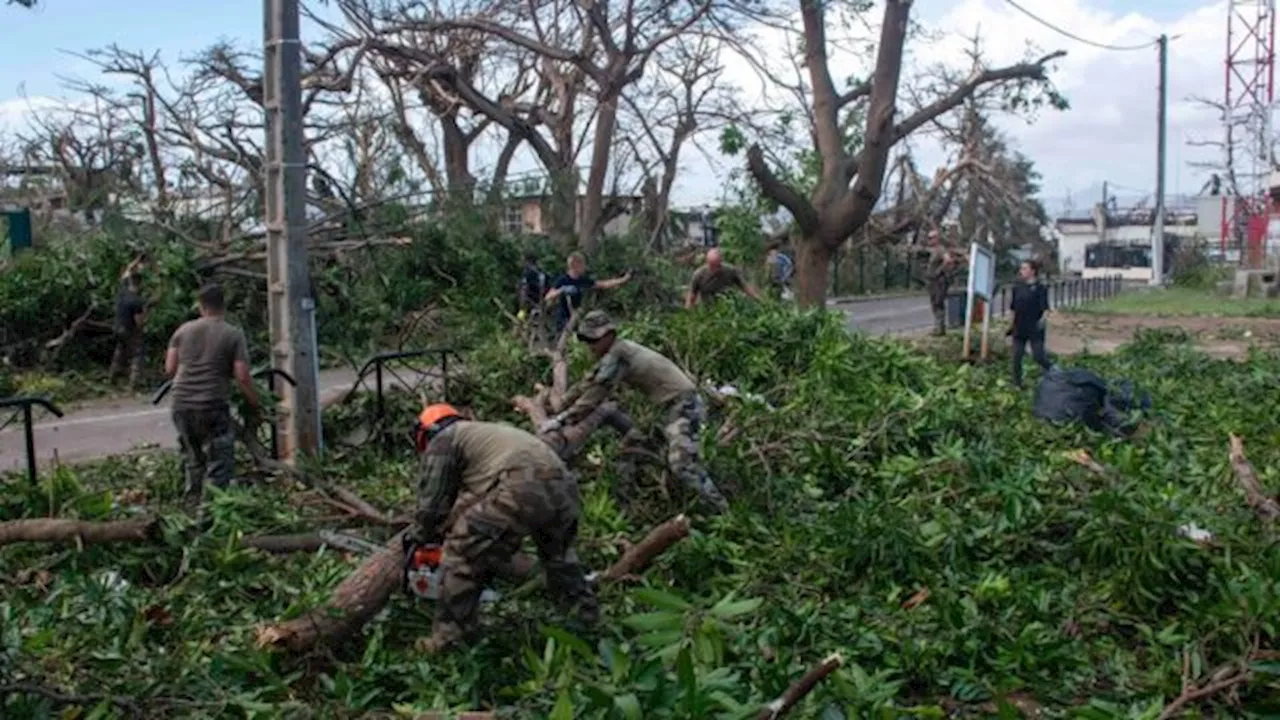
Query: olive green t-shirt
[[708, 283], [208, 349]]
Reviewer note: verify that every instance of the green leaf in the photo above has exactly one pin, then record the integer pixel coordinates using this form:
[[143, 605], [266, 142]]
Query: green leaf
[[647, 622], [629, 706], [727, 609], [563, 709], [661, 599]]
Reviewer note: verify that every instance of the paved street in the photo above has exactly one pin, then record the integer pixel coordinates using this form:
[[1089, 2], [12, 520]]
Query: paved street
[[120, 426], [889, 315]]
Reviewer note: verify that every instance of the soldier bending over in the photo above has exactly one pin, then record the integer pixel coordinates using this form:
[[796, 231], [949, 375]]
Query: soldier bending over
[[662, 381], [482, 488]]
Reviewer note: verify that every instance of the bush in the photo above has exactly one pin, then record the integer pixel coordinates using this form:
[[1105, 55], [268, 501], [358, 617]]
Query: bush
[[904, 511], [1193, 269]]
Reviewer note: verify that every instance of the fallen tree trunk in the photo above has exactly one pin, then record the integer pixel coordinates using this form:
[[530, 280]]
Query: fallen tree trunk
[[366, 590], [79, 531], [638, 556], [281, 544], [1263, 504], [352, 604]]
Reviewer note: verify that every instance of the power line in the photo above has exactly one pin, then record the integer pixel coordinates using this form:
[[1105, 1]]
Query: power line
[[1077, 38]]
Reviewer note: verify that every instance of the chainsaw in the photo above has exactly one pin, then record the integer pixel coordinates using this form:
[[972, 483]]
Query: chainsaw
[[421, 567]]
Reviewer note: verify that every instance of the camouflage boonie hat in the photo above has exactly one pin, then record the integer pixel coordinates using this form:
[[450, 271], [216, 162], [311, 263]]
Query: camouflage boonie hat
[[595, 325]]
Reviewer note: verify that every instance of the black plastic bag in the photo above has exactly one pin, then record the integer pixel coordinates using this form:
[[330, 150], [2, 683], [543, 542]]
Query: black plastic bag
[[1078, 395], [1070, 395]]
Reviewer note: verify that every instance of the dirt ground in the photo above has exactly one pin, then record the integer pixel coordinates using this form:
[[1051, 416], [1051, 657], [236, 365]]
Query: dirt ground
[[1226, 337]]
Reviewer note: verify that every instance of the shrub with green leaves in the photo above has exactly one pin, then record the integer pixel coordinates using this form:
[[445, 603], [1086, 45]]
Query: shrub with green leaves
[[861, 476]]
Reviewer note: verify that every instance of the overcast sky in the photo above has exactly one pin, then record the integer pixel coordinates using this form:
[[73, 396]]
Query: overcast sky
[[1109, 134]]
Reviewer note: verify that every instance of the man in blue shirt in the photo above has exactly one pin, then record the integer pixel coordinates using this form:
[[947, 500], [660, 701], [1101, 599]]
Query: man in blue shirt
[[570, 289]]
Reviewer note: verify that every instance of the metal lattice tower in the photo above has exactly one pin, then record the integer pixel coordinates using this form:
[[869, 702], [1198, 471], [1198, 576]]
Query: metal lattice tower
[[1250, 92]]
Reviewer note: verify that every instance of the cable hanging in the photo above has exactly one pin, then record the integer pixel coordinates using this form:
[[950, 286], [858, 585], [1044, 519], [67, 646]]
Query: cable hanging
[[1077, 38]]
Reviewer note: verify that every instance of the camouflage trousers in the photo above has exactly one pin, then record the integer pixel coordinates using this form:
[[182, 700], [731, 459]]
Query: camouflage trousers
[[489, 532], [208, 442], [129, 352], [685, 417], [938, 304]]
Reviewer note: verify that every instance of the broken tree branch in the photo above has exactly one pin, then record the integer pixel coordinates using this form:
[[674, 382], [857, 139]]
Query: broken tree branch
[[654, 544], [360, 596], [800, 688], [1265, 505], [79, 531]]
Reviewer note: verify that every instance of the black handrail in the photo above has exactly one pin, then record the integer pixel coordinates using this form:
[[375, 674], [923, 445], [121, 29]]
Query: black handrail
[[270, 373], [378, 361], [26, 402]]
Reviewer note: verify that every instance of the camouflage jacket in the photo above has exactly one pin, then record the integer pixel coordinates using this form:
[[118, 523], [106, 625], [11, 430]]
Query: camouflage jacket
[[466, 460], [642, 368]]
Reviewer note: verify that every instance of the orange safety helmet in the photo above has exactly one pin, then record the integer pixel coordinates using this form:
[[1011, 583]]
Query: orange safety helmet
[[431, 421]]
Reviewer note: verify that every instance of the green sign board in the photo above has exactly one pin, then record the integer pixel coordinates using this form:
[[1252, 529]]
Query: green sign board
[[15, 229]]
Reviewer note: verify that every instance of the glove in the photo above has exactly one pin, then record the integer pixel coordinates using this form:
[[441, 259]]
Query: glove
[[550, 425], [522, 315]]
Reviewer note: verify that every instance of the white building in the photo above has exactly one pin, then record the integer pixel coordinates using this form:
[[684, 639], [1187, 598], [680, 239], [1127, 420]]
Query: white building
[[1117, 240]]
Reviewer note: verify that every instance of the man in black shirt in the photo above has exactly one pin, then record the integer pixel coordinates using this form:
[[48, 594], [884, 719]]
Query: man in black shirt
[[1029, 304], [572, 287], [131, 313]]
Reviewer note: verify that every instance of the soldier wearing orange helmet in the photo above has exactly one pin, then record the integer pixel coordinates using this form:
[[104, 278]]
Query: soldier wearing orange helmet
[[482, 488]]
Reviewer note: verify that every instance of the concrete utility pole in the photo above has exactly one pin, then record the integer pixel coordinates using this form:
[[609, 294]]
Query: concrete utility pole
[[1162, 122], [292, 309]]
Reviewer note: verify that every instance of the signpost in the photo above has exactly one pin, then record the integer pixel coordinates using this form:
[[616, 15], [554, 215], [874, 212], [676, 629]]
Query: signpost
[[982, 284]]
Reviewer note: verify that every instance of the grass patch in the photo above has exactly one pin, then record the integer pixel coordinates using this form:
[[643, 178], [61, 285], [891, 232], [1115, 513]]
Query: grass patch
[[1184, 302]]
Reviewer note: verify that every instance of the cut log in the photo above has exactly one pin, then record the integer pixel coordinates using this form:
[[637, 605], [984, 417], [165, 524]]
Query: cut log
[[357, 599], [654, 544], [81, 531], [364, 592], [1263, 504], [352, 604], [281, 544], [799, 689]]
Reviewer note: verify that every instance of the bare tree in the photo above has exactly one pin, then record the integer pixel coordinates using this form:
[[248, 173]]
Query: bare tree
[[669, 108], [576, 45], [850, 179]]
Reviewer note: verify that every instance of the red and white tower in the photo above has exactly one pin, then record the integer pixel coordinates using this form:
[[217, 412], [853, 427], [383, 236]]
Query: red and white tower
[[1250, 92]]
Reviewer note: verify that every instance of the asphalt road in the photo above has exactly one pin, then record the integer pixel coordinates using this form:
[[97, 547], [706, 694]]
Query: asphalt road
[[124, 425]]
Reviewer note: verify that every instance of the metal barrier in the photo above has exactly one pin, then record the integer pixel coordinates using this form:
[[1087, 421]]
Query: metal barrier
[[383, 365], [1062, 293], [24, 403], [269, 373]]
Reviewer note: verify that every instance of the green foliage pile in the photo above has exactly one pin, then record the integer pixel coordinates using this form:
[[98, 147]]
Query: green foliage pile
[[867, 474]]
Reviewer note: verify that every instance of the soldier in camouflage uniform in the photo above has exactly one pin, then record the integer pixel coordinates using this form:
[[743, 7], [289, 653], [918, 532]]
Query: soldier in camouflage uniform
[[482, 488], [662, 381], [941, 263]]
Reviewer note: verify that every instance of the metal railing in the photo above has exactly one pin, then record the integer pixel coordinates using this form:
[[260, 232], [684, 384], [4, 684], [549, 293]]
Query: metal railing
[[24, 404], [269, 374], [393, 367], [1072, 292]]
